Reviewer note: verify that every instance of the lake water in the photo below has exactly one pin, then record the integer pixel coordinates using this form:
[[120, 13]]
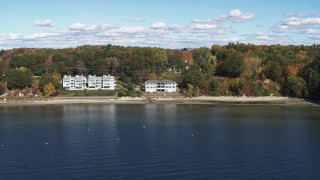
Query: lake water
[[159, 142]]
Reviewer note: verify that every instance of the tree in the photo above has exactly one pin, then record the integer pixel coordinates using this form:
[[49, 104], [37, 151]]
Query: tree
[[273, 71], [114, 63], [196, 92], [80, 68], [214, 87], [238, 87], [232, 66], [311, 74], [2, 69], [215, 49], [204, 59], [18, 61], [1, 52], [48, 63], [192, 91], [194, 77], [47, 78], [251, 68], [297, 86], [152, 76], [102, 66], [187, 57], [19, 78], [49, 89], [2, 88], [176, 62], [123, 78], [189, 90], [203, 55]]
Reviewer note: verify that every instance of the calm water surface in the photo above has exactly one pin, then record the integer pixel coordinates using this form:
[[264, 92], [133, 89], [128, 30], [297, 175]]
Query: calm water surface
[[159, 142]]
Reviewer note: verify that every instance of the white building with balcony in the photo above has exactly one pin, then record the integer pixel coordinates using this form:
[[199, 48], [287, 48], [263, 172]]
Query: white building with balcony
[[160, 86], [108, 82], [105, 82], [94, 82], [74, 83]]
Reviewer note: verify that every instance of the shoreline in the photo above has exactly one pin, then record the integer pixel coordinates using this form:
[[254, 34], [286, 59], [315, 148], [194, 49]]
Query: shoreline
[[181, 100]]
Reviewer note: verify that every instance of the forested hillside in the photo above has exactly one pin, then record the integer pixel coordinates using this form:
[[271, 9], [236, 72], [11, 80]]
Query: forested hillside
[[233, 69]]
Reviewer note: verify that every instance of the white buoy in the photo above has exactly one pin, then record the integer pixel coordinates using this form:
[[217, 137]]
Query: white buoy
[[46, 143], [2, 145], [88, 129], [118, 139], [192, 135], [144, 126]]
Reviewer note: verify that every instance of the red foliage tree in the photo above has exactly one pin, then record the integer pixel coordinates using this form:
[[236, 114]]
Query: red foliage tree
[[48, 63]]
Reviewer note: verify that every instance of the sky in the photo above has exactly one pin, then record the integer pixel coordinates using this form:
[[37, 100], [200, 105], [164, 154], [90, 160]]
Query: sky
[[170, 24]]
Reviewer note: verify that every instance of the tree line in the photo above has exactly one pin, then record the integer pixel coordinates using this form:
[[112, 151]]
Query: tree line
[[234, 69]]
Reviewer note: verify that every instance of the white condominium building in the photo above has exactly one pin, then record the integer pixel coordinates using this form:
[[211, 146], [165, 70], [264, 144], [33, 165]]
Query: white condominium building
[[160, 86], [74, 83], [94, 82], [105, 82], [108, 82]]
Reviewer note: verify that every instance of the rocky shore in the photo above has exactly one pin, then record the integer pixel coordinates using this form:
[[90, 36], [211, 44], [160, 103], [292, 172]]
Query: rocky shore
[[158, 100]]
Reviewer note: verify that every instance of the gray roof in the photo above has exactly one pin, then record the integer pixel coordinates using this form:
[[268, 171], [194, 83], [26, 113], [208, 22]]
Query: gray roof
[[107, 77], [92, 77], [160, 81], [80, 78], [66, 78]]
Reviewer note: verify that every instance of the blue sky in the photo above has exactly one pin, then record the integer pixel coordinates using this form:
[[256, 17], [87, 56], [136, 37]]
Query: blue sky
[[165, 23]]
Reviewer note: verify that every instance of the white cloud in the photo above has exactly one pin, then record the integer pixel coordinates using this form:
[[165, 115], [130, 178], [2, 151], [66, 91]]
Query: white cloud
[[280, 28], [125, 31], [9, 36], [202, 21], [96, 34], [296, 14], [303, 25], [77, 26], [311, 21], [235, 13], [237, 16], [201, 32], [136, 20], [40, 35], [205, 26], [275, 38], [260, 37], [314, 38], [84, 27], [312, 31], [295, 21], [178, 28], [44, 23], [158, 25]]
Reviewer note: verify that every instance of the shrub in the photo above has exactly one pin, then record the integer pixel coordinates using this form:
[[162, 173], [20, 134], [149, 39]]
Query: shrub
[[55, 94], [2, 88], [49, 89], [100, 93], [72, 93], [214, 87]]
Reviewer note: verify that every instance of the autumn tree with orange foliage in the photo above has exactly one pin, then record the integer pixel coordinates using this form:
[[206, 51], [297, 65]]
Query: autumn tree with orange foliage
[[295, 69], [187, 57]]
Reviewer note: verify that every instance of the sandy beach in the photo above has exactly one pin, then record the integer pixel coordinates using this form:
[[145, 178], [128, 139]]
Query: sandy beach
[[160, 100]]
